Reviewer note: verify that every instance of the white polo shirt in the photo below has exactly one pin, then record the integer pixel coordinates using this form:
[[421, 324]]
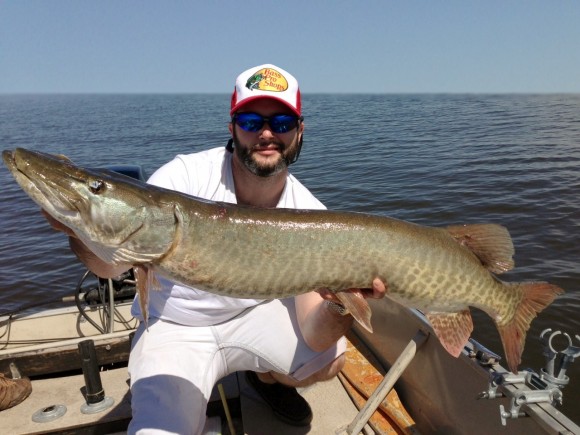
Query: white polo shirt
[[208, 175]]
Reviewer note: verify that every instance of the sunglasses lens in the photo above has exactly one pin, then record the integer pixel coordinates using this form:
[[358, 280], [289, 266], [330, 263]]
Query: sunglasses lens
[[250, 121], [253, 122], [282, 123]]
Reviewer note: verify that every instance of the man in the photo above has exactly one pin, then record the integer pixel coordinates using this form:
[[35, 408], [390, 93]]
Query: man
[[195, 338]]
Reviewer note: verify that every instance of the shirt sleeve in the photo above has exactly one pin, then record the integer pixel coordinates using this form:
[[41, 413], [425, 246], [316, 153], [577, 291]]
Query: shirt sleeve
[[172, 175]]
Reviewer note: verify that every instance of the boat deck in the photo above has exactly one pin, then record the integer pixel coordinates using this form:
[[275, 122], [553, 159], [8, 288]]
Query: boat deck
[[58, 383], [332, 408]]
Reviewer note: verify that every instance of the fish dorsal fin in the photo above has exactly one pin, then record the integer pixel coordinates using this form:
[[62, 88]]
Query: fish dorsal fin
[[357, 306], [491, 243], [452, 329]]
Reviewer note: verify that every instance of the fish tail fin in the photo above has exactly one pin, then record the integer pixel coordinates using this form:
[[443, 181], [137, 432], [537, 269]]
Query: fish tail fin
[[535, 297]]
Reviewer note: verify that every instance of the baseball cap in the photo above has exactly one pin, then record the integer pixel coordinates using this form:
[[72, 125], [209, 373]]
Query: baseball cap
[[266, 81]]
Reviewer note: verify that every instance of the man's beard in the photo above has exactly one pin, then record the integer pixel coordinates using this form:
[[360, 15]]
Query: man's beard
[[246, 156]]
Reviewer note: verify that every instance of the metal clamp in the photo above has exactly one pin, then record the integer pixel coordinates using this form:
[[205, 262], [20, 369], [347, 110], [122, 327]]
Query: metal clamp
[[528, 397], [531, 387], [482, 354], [560, 358]]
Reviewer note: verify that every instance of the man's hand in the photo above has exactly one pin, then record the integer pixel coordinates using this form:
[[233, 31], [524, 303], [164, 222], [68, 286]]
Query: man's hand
[[320, 327], [378, 291]]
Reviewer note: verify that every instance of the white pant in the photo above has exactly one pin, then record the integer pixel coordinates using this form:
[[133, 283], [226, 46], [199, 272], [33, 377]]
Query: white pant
[[173, 368]]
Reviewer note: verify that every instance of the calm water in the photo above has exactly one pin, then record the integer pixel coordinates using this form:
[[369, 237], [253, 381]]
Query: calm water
[[430, 159]]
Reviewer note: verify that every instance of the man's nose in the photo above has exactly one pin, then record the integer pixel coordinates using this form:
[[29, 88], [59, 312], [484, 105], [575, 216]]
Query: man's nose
[[266, 131]]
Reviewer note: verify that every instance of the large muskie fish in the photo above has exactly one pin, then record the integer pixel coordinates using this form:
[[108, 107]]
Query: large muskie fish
[[273, 253]]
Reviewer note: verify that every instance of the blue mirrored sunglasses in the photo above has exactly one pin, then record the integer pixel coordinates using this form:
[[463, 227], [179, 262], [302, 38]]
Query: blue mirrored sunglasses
[[254, 122]]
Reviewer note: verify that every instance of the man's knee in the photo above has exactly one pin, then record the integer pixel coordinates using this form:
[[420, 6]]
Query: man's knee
[[331, 370], [166, 403], [326, 373]]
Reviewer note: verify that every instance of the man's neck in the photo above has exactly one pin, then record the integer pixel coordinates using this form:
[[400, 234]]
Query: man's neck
[[257, 191]]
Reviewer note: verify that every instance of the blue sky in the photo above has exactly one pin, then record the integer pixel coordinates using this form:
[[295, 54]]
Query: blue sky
[[116, 46]]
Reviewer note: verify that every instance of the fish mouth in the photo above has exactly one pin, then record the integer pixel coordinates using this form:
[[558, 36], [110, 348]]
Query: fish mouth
[[42, 182], [9, 161]]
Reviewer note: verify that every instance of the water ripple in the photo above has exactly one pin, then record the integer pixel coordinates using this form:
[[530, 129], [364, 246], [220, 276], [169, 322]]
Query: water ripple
[[431, 159]]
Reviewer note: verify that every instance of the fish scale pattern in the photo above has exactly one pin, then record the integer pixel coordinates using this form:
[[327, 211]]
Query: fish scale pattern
[[265, 254]]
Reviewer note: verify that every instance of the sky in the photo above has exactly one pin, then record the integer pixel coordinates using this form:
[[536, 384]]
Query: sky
[[364, 46]]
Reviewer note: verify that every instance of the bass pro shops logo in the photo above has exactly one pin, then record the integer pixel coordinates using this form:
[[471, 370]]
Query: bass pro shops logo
[[267, 79]]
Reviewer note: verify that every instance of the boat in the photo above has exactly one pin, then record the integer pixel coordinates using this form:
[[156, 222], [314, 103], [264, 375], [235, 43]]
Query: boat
[[466, 395], [75, 356], [469, 394], [43, 344]]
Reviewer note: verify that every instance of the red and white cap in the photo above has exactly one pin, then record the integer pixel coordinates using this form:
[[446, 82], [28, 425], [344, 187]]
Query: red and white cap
[[266, 81]]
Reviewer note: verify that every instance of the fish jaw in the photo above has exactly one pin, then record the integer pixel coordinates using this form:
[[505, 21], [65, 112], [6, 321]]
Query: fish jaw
[[30, 175], [114, 219]]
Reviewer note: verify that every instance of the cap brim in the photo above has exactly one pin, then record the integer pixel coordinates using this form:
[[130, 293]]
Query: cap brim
[[242, 103]]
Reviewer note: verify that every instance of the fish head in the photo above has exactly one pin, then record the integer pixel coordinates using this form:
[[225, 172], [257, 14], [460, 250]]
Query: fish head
[[113, 214]]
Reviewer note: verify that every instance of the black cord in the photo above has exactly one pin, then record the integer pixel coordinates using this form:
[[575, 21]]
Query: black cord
[[79, 303]]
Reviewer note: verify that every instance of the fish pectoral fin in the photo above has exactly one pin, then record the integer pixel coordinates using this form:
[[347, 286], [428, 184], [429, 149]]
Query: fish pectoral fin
[[452, 329], [358, 307], [145, 280], [491, 243]]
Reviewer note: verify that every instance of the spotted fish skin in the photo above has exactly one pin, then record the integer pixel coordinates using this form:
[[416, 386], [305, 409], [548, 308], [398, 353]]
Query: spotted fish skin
[[249, 252]]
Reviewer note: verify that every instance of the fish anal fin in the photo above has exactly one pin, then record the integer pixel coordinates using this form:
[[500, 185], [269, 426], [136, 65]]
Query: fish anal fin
[[358, 307], [491, 243], [452, 329], [535, 297]]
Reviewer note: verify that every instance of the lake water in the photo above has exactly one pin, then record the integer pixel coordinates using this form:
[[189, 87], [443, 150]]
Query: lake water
[[430, 159]]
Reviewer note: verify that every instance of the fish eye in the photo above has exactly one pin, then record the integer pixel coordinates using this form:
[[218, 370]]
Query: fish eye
[[96, 186]]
